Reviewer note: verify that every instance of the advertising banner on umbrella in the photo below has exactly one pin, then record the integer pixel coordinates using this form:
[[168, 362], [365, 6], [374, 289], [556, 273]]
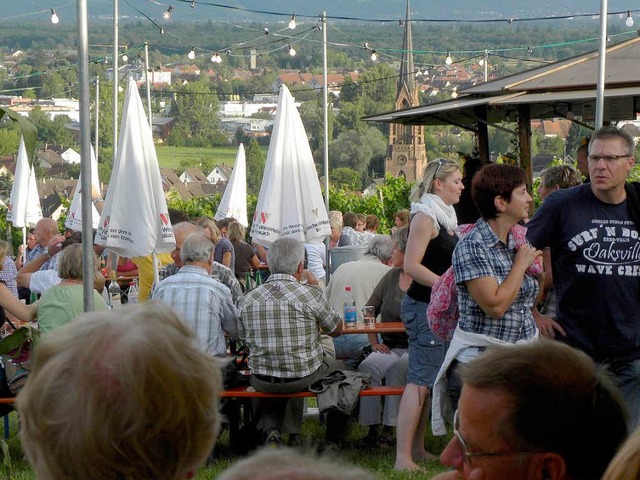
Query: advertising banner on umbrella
[[234, 199], [74, 215], [24, 208], [290, 202], [135, 220]]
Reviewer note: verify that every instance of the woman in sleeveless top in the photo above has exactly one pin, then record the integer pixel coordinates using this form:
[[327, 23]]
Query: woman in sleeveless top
[[428, 255]]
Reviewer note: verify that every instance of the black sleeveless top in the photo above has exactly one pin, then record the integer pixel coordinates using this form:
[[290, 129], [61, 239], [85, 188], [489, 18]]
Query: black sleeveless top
[[437, 258]]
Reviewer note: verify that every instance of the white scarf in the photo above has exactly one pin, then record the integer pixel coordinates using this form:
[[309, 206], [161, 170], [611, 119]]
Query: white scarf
[[441, 213]]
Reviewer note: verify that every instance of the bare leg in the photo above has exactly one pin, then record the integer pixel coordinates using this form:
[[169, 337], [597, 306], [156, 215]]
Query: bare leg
[[419, 453], [412, 408]]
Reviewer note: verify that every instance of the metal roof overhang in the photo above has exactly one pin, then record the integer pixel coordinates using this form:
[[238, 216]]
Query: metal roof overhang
[[461, 112], [622, 104]]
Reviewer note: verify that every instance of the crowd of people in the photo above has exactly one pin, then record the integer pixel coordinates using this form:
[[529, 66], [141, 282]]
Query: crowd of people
[[540, 378]]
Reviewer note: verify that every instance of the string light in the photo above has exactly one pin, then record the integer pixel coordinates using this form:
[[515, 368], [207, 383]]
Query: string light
[[192, 53], [161, 31], [216, 58], [125, 57], [292, 52], [481, 62], [448, 60], [54, 17], [374, 56], [167, 15], [193, 3], [292, 22], [629, 21], [266, 30]]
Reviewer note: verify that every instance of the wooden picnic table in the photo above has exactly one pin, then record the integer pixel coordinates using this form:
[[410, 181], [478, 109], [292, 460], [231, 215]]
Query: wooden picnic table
[[380, 327]]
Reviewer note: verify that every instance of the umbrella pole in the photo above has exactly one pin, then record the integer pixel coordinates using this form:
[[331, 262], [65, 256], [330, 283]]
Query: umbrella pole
[[24, 245], [156, 276]]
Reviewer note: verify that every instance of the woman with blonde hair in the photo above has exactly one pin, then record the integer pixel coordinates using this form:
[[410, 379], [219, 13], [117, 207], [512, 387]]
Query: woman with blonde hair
[[428, 255], [626, 464], [245, 255], [62, 303], [224, 252]]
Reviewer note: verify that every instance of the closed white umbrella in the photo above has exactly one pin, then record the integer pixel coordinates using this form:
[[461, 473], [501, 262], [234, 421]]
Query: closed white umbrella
[[234, 199], [24, 202], [74, 215], [290, 202], [135, 220]]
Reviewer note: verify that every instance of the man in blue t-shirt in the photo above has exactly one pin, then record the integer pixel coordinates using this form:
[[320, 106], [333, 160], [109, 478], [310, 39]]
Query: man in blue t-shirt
[[595, 256]]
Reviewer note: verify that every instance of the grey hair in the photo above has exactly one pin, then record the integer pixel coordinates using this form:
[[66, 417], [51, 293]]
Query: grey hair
[[197, 247], [400, 237], [186, 228], [284, 255], [611, 131], [381, 246]]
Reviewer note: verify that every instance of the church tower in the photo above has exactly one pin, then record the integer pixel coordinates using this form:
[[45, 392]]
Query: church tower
[[407, 154]]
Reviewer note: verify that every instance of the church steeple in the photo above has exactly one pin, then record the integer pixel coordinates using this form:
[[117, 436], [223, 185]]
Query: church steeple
[[407, 70], [407, 153]]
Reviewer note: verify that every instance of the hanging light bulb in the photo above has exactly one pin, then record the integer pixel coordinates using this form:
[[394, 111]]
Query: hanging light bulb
[[161, 31], [120, 89], [125, 58], [529, 50], [448, 60], [292, 52], [292, 22], [193, 3], [192, 53], [374, 56], [266, 30], [54, 17], [216, 58], [629, 21], [481, 62], [167, 15]]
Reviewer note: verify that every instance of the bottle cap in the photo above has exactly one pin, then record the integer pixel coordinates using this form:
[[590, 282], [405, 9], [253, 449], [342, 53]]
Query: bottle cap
[[348, 289]]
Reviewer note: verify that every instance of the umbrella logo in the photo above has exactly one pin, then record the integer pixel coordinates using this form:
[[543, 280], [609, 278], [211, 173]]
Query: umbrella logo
[[106, 222], [164, 219]]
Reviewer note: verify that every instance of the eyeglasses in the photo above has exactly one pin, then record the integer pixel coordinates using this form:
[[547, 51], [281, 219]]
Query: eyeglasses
[[606, 158], [465, 451], [441, 162]]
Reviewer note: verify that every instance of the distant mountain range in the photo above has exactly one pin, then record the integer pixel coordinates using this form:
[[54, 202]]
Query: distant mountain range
[[32, 10]]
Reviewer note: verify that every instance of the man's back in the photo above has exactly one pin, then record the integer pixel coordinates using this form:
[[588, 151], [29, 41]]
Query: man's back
[[203, 303], [281, 321]]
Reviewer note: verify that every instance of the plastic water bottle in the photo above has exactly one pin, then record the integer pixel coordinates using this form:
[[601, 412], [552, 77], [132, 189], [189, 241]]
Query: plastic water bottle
[[133, 292], [115, 294], [350, 314]]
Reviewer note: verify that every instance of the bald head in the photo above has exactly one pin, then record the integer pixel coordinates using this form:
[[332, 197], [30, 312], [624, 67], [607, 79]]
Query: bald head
[[181, 231], [45, 230]]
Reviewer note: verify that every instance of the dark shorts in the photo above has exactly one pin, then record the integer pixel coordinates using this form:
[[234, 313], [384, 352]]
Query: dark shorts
[[426, 351]]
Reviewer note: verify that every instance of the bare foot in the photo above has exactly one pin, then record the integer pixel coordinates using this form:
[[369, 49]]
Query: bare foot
[[423, 456], [407, 466]]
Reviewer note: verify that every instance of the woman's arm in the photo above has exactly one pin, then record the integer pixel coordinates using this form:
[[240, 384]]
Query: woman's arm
[[546, 262], [226, 259], [421, 232], [14, 306], [496, 299], [255, 263]]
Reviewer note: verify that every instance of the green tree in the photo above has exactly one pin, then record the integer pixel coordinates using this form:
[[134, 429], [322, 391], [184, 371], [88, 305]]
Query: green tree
[[9, 139], [255, 166], [577, 133], [355, 150], [195, 117], [345, 178]]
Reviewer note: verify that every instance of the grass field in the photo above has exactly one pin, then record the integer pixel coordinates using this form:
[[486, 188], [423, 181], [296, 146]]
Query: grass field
[[170, 157], [378, 461]]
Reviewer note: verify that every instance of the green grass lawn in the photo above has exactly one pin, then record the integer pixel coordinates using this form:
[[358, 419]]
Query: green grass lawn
[[378, 461], [170, 157]]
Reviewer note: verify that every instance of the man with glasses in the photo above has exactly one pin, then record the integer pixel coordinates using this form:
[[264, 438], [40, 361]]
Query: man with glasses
[[534, 411], [593, 232]]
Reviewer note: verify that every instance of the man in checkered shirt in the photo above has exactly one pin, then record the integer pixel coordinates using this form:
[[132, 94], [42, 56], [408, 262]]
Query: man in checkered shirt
[[281, 322]]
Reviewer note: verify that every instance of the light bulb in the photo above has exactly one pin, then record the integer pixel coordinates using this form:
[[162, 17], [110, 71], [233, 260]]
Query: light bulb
[[448, 60], [629, 21], [292, 52], [54, 17], [161, 31], [167, 15], [292, 22], [193, 3], [120, 89], [192, 53], [374, 56], [266, 30], [481, 62], [529, 50], [125, 57], [216, 58]]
